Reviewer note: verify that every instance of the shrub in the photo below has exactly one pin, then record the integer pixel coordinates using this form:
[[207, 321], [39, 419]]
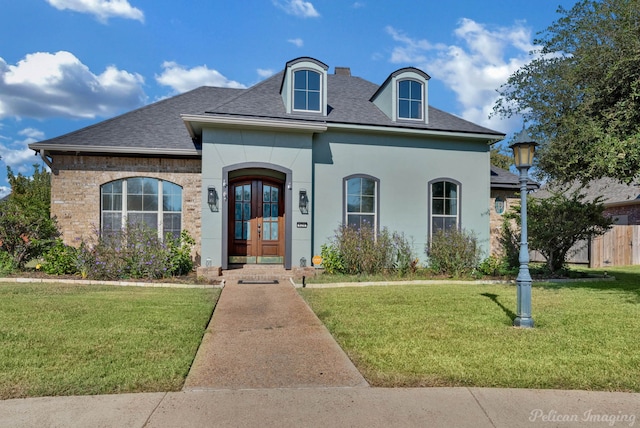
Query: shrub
[[360, 251], [61, 259], [180, 261], [7, 263], [453, 252]]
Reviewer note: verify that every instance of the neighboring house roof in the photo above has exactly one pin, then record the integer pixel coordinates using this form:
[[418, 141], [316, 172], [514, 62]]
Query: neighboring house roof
[[612, 191], [159, 128], [501, 179]]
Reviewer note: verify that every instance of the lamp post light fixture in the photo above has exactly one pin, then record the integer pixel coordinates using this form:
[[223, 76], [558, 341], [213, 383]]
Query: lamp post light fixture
[[523, 151]]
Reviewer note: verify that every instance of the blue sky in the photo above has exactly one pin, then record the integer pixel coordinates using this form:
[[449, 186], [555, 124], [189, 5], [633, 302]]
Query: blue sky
[[65, 64]]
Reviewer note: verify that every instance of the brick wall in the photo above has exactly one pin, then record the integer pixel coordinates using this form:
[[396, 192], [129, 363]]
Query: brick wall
[[629, 213], [495, 219], [75, 190]]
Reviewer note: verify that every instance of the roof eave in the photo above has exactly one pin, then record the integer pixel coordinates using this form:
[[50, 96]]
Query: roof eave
[[490, 138], [113, 150], [195, 123]]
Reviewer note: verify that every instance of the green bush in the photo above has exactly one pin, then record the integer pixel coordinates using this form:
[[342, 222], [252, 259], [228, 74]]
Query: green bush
[[180, 261], [7, 263], [453, 252], [360, 251], [61, 259]]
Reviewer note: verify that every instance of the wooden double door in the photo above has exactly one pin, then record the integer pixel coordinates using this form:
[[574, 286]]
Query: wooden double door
[[256, 221]]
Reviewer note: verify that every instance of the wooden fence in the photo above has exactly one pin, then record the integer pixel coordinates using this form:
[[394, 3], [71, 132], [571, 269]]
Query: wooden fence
[[620, 246]]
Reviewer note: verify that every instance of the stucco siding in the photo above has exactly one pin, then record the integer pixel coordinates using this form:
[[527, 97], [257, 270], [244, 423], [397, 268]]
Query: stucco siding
[[404, 167]]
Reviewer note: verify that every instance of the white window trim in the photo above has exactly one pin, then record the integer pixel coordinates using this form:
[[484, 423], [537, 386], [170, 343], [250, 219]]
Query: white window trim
[[160, 211], [422, 96], [376, 204], [457, 216], [293, 90]]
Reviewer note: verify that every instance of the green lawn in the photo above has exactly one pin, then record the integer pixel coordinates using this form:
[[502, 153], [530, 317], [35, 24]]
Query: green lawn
[[68, 339], [587, 335]]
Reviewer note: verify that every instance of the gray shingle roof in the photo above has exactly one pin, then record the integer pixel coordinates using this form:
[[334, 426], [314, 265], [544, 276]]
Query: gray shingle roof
[[506, 180], [159, 126], [611, 190], [155, 126]]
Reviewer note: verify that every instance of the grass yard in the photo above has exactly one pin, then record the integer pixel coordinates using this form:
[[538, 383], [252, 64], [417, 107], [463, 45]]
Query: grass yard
[[67, 339], [587, 334]]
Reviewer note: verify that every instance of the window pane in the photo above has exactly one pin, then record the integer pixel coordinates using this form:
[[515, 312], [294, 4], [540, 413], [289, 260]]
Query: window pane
[[266, 194], [274, 194], [450, 223], [274, 211], [247, 192], [111, 221], [354, 220], [403, 108], [266, 230], [274, 231], [134, 202], [313, 80], [403, 89], [367, 205], [313, 101], [150, 202], [238, 230], [353, 204], [171, 224], [246, 231], [452, 207], [134, 186], [150, 186], [438, 189], [452, 190], [266, 211], [437, 206], [238, 211], [368, 187], [300, 79], [300, 100], [238, 193], [247, 211], [107, 202], [437, 223], [354, 186], [416, 90], [416, 109]]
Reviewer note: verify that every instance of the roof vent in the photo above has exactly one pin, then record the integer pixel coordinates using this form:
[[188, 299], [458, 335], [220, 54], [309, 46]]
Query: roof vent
[[343, 71]]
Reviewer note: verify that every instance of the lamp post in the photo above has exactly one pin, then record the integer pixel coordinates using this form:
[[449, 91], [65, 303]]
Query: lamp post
[[523, 150]]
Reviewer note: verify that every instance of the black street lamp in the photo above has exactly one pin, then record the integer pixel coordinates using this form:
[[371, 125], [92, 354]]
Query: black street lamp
[[523, 151]]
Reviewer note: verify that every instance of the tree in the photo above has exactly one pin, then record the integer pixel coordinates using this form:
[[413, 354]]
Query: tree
[[501, 158], [580, 95], [26, 228], [556, 223]]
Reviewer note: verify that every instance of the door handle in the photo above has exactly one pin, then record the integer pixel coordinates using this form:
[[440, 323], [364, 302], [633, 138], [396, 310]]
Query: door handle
[[259, 231]]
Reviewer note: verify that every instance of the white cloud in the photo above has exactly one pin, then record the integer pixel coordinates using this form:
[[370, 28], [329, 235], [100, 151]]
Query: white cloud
[[303, 9], [473, 68], [297, 42], [101, 9], [46, 85], [16, 153], [357, 5], [181, 79], [264, 73]]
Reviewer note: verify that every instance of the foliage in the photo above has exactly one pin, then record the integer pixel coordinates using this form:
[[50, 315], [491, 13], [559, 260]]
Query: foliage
[[500, 157], [495, 266], [180, 261], [509, 239], [360, 251], [556, 223], [135, 252], [453, 252], [26, 228], [7, 264], [580, 95], [60, 259]]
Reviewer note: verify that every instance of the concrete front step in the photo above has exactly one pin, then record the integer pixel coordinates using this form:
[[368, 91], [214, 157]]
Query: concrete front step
[[257, 273]]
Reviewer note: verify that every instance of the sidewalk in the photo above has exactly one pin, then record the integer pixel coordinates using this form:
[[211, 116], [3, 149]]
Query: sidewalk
[[267, 361]]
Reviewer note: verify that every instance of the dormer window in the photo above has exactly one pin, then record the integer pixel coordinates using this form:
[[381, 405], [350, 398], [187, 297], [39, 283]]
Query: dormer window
[[404, 96], [410, 99], [304, 86], [306, 90]]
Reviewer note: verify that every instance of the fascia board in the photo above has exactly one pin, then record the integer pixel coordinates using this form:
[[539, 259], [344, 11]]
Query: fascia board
[[490, 138], [115, 150], [194, 122]]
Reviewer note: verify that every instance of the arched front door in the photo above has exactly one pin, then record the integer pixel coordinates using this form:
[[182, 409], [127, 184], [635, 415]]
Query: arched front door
[[256, 221]]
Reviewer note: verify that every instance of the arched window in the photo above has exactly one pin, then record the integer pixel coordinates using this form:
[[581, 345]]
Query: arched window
[[142, 200], [410, 99], [361, 201], [306, 90], [444, 204]]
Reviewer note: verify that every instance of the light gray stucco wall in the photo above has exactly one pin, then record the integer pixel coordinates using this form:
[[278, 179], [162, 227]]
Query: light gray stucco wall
[[223, 148], [404, 165]]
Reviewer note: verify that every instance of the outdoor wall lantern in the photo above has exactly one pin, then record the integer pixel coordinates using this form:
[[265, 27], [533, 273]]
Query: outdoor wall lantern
[[523, 151], [304, 202], [212, 199], [303, 262]]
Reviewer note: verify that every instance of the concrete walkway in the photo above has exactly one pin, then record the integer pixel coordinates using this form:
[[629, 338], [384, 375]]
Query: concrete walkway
[[267, 361]]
